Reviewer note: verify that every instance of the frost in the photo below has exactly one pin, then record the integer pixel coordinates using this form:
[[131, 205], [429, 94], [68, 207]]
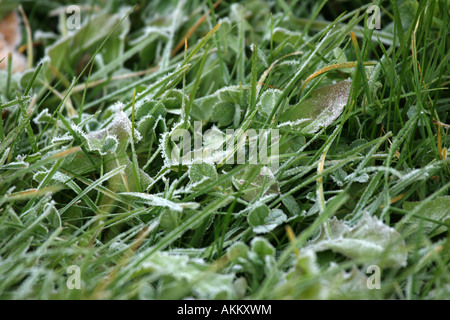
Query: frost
[[268, 101], [43, 117], [16, 165], [118, 132], [263, 183], [77, 129], [438, 210], [370, 240], [150, 30], [202, 172], [293, 124], [320, 109], [275, 218], [4, 156], [179, 272], [154, 200], [66, 137], [289, 63]]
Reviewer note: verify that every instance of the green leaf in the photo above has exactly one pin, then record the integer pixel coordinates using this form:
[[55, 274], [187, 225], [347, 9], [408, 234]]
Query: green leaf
[[262, 247], [179, 275], [150, 107], [174, 100], [276, 217], [202, 172], [258, 215], [53, 217], [437, 210], [370, 241], [263, 184], [169, 219], [320, 109], [238, 249], [281, 35], [268, 101], [291, 205], [223, 113]]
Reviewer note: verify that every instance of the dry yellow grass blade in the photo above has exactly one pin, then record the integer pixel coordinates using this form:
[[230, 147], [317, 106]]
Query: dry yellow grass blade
[[337, 66]]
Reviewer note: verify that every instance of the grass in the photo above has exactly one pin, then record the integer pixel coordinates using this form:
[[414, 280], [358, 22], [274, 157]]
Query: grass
[[87, 176]]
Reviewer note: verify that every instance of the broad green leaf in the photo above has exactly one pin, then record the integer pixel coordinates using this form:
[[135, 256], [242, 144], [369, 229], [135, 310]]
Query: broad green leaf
[[174, 100], [183, 276], [320, 109], [258, 215], [268, 101], [291, 205], [149, 107], [437, 209], [238, 249], [112, 143], [263, 184], [275, 218], [223, 113], [280, 35], [370, 240], [169, 219], [262, 247], [202, 172]]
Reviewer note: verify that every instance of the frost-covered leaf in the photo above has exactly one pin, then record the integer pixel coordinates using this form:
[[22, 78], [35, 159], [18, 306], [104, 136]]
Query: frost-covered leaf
[[437, 209], [149, 107], [275, 218], [202, 108], [146, 124], [44, 117], [320, 109], [169, 219], [339, 176], [361, 178], [230, 94], [202, 172], [291, 205], [4, 156], [53, 217], [263, 184], [281, 35], [268, 101], [223, 113], [179, 272], [120, 129], [110, 144], [15, 165], [305, 266], [370, 240], [174, 100]]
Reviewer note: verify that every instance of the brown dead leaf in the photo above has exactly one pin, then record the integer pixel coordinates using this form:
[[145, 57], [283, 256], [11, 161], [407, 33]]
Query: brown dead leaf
[[10, 38]]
